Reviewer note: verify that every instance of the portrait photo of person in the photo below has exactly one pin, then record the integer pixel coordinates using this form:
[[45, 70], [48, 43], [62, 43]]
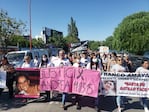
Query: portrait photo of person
[[109, 87], [24, 86]]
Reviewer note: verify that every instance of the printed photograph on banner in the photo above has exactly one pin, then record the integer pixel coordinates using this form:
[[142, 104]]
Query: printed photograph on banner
[[108, 87], [27, 83]]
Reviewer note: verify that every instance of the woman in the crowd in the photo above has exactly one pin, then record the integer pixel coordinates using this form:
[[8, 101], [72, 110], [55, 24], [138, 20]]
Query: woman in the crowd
[[76, 63], [95, 65], [105, 61], [5, 66], [144, 70], [111, 61], [128, 63], [118, 67], [44, 64]]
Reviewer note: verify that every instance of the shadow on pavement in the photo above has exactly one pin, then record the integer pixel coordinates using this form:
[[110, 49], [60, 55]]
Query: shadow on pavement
[[7, 103]]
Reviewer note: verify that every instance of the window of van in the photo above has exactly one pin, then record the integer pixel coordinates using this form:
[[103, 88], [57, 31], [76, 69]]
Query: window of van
[[15, 56], [36, 54], [30, 54]]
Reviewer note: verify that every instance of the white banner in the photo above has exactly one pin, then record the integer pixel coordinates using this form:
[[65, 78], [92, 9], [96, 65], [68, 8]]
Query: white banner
[[125, 84], [2, 79]]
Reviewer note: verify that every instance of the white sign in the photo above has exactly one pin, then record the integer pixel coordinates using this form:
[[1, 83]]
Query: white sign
[[104, 49], [125, 84], [2, 79]]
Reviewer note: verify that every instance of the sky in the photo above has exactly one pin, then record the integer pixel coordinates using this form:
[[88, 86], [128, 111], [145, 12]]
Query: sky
[[95, 19]]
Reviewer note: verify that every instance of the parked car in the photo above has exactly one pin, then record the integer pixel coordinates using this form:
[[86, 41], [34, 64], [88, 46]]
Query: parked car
[[146, 54], [16, 58]]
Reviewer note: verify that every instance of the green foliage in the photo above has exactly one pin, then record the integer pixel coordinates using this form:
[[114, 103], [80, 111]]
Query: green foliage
[[108, 42], [18, 40], [132, 34], [57, 41], [72, 32], [70, 39], [8, 28], [93, 45], [37, 43]]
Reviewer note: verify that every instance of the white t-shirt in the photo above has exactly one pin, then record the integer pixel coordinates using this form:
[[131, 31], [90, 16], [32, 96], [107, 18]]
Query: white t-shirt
[[61, 62], [142, 70], [27, 65], [76, 65], [118, 68]]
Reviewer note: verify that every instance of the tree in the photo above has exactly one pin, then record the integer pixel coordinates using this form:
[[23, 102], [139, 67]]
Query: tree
[[8, 28], [37, 43], [18, 40], [72, 32], [108, 42], [57, 41], [132, 34], [93, 45]]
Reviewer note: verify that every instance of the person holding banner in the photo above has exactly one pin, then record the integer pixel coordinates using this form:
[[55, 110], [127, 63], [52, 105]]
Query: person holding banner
[[27, 64], [5, 66], [60, 62], [44, 64], [76, 63], [118, 67], [144, 70], [95, 65], [111, 61]]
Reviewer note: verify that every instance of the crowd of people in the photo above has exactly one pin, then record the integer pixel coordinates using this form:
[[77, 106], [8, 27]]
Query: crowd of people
[[111, 62]]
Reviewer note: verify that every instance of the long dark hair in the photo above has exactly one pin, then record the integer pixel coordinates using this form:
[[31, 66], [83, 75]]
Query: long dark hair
[[96, 63], [44, 62]]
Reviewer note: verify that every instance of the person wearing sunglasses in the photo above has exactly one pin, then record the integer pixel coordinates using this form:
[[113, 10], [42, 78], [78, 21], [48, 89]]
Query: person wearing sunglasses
[[118, 67]]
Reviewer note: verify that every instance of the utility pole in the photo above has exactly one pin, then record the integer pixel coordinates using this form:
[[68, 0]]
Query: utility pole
[[30, 36]]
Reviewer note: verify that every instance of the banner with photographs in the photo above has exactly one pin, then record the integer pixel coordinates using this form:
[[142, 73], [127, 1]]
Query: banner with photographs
[[2, 79], [125, 84], [27, 83]]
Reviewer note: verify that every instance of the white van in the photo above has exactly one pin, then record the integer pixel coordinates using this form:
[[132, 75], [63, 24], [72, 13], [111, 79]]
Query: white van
[[16, 58]]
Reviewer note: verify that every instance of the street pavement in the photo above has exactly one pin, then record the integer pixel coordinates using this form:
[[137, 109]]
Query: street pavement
[[107, 104]]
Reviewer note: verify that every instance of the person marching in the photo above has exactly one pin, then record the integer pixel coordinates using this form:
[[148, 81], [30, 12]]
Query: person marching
[[44, 64], [143, 69], [118, 67], [5, 66], [94, 64], [61, 61]]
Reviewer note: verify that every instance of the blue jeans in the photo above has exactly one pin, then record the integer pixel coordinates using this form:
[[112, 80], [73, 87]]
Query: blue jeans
[[119, 100], [64, 96], [143, 101]]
